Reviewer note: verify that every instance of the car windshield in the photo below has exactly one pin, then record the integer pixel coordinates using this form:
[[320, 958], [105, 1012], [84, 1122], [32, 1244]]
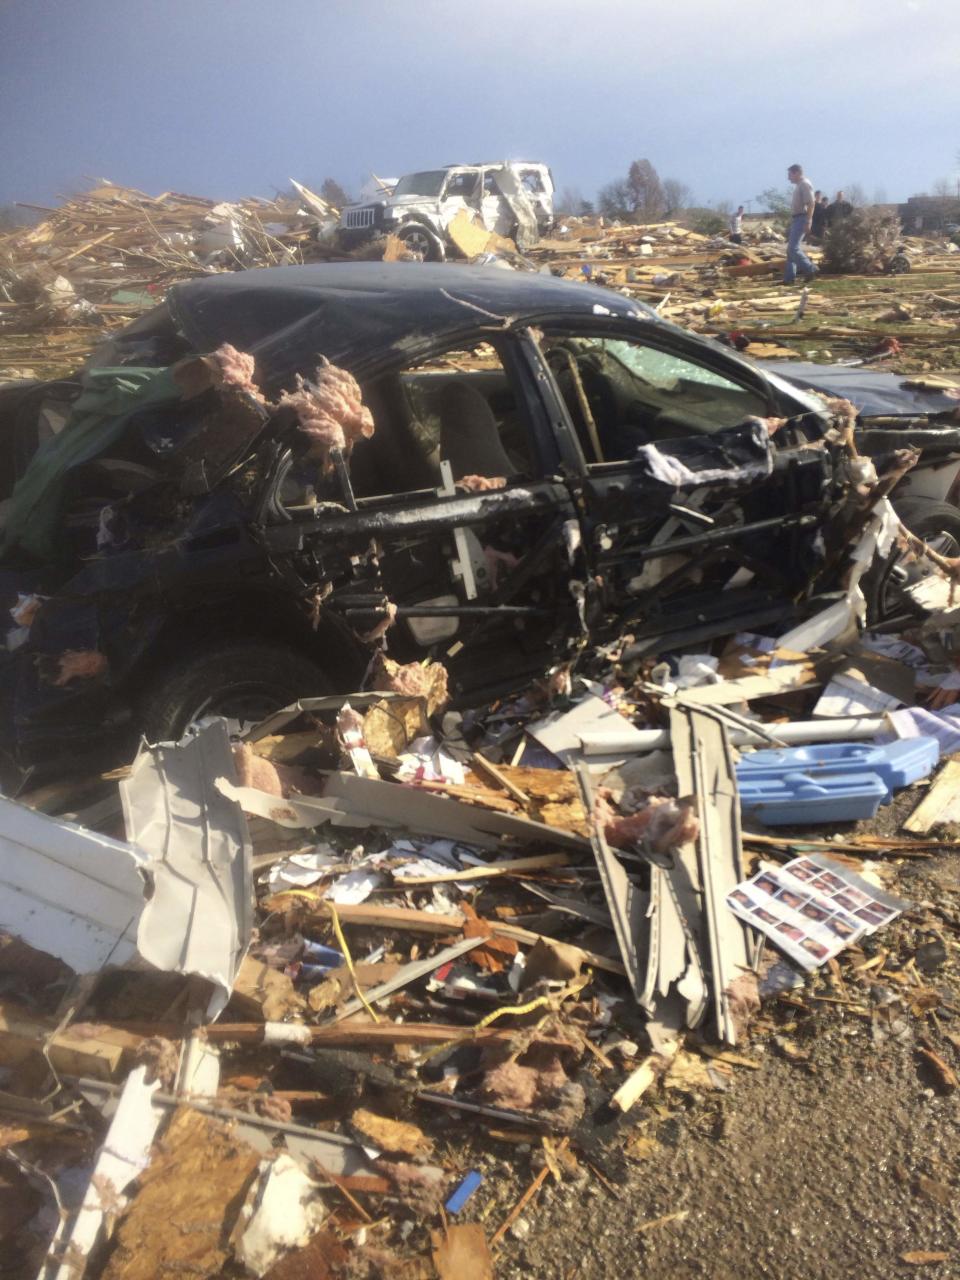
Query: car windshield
[[421, 184]]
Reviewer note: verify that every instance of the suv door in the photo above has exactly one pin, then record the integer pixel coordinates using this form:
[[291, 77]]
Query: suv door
[[693, 523], [461, 190]]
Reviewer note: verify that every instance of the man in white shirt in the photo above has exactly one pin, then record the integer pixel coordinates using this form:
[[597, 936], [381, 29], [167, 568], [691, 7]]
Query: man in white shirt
[[736, 226], [801, 211]]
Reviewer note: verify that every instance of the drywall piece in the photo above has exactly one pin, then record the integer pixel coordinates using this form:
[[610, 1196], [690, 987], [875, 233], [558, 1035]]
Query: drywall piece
[[783, 679], [351, 801], [590, 728], [626, 902], [70, 892], [124, 1154], [199, 918]]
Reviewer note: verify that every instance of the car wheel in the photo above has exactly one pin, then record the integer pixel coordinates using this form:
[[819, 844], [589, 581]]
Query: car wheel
[[242, 682], [422, 241], [938, 524]]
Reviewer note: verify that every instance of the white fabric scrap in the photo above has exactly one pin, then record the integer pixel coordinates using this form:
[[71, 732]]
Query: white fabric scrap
[[286, 1033], [426, 761], [669, 470], [303, 869], [355, 886], [284, 1209]]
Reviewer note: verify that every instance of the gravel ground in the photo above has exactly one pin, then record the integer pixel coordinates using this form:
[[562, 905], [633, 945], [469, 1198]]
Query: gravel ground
[[830, 1166]]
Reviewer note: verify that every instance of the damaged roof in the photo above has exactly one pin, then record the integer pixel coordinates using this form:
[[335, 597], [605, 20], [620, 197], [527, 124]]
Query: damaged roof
[[285, 316]]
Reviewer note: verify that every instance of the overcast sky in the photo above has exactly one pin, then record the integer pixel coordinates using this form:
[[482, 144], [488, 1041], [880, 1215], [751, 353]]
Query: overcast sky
[[233, 97]]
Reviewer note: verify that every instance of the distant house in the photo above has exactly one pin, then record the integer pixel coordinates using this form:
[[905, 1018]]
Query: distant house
[[929, 213]]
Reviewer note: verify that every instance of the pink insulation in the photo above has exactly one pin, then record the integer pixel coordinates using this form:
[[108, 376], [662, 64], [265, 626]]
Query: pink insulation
[[330, 410], [235, 369]]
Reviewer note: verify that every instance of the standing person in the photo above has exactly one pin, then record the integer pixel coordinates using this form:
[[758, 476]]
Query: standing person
[[841, 208], [736, 226], [819, 221], [801, 216]]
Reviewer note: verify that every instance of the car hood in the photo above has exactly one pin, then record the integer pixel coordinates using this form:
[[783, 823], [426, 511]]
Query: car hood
[[875, 394]]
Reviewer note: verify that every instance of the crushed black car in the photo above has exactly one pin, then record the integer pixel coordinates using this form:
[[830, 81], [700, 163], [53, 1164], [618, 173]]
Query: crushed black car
[[548, 466]]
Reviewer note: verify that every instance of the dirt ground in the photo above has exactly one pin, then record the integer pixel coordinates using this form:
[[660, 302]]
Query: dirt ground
[[829, 1163]]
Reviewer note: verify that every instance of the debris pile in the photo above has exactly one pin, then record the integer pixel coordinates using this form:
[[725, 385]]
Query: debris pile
[[105, 256], [602, 793], [291, 997], [733, 292]]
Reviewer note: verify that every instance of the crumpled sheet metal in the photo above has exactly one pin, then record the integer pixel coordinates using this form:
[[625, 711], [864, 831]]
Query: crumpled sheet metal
[[69, 892], [199, 918]]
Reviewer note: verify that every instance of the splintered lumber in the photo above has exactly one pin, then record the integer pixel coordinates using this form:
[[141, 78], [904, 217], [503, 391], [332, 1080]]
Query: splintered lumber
[[364, 913], [941, 804], [100, 1052], [506, 867]]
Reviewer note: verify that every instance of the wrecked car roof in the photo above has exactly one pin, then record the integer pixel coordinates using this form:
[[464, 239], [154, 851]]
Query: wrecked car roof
[[874, 392], [286, 316]]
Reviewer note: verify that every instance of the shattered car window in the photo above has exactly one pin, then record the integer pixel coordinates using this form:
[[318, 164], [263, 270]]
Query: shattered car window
[[623, 394], [421, 184], [461, 184]]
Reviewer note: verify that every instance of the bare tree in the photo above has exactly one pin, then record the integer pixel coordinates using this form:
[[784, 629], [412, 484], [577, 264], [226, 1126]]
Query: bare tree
[[855, 193], [645, 191], [880, 195], [569, 202], [677, 196], [615, 200]]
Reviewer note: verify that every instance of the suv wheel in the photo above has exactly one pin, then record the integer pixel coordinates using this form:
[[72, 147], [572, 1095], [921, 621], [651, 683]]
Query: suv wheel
[[421, 240], [938, 524], [243, 682]]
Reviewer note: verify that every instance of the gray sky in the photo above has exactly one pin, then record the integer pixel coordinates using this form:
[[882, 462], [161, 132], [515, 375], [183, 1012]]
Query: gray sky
[[233, 97]]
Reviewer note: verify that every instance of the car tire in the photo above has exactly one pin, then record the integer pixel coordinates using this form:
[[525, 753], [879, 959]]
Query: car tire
[[422, 240], [245, 682], [938, 523]]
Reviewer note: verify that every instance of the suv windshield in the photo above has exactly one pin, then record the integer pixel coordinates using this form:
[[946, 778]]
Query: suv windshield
[[421, 184]]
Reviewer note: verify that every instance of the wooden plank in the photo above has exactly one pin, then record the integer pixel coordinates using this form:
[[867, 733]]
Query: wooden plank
[[505, 867], [784, 679], [365, 913], [940, 805], [104, 1054]]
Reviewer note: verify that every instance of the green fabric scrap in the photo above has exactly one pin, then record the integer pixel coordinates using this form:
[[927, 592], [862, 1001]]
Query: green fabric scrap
[[98, 417]]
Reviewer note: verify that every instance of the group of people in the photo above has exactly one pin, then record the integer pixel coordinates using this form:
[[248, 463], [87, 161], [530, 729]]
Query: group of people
[[826, 214], [811, 214]]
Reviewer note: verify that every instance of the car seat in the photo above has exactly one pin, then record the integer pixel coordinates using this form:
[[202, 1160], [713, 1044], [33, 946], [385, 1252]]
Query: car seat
[[469, 436]]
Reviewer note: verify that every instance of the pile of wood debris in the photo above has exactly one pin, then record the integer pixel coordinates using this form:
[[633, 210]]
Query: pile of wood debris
[[278, 1007], [908, 322], [104, 257]]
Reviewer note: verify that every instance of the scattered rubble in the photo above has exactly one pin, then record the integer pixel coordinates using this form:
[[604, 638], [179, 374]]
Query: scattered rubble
[[279, 995]]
